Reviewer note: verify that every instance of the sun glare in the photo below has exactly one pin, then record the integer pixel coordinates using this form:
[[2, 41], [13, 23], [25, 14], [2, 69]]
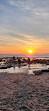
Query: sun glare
[[30, 51]]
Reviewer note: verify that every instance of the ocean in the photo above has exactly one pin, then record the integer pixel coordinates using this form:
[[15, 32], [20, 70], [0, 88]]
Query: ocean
[[25, 67]]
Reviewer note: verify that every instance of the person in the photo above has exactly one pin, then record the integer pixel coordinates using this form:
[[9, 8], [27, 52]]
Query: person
[[28, 60], [19, 61], [13, 57]]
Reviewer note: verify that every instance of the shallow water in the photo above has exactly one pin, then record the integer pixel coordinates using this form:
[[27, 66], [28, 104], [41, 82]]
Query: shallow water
[[25, 69]]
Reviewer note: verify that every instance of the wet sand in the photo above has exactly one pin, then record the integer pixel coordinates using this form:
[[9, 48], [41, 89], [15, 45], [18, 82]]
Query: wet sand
[[24, 92]]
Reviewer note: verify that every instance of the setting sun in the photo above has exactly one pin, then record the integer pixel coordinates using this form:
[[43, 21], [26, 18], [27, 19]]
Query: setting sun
[[30, 51]]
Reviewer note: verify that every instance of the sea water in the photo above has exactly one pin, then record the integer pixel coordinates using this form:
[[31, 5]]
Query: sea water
[[25, 69]]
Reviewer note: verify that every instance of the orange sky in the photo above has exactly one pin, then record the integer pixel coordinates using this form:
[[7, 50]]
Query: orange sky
[[20, 46]]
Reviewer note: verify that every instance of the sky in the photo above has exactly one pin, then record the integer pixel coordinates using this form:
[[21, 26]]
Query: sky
[[24, 25]]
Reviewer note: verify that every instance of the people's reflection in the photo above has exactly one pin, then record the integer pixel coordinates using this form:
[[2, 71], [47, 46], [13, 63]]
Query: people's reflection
[[28, 65], [19, 65], [14, 66]]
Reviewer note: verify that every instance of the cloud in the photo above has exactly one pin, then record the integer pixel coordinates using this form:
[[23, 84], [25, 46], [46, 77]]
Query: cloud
[[30, 17], [30, 5], [24, 40]]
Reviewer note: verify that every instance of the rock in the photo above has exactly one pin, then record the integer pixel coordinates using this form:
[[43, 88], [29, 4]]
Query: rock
[[46, 70], [38, 72]]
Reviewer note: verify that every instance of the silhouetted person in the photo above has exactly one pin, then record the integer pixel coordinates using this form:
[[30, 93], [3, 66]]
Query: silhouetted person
[[24, 60], [19, 61], [13, 57], [28, 60]]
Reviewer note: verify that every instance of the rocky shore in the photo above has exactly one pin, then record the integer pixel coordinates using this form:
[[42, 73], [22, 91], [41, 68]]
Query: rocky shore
[[23, 92], [9, 61]]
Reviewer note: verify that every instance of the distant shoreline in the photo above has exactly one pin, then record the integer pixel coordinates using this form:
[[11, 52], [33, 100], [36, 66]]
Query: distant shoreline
[[26, 56]]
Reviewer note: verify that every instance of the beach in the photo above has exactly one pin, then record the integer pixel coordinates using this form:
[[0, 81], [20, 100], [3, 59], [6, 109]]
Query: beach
[[24, 55], [24, 92]]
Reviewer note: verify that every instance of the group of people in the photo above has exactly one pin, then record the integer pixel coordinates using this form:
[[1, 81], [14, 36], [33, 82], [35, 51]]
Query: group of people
[[19, 60]]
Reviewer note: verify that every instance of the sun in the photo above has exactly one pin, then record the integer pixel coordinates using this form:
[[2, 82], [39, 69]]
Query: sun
[[30, 51]]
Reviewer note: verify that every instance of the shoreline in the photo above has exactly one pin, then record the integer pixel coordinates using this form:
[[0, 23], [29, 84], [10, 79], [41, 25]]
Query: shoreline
[[24, 92]]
